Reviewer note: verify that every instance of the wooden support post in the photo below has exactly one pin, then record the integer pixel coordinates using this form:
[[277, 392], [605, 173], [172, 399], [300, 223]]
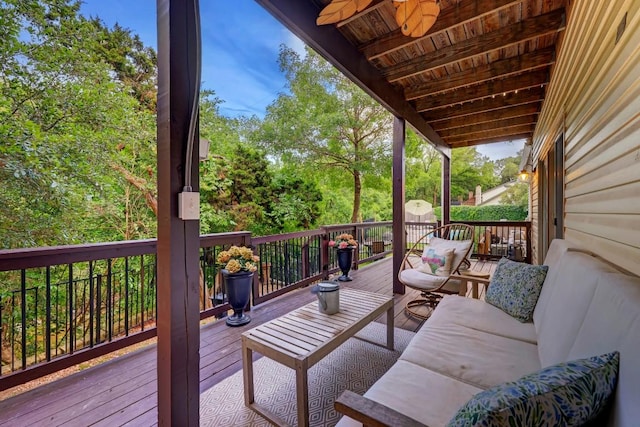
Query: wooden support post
[[445, 195], [178, 365], [399, 236]]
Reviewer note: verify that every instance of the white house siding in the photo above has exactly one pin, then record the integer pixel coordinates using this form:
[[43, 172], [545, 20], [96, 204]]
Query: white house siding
[[594, 96], [534, 220]]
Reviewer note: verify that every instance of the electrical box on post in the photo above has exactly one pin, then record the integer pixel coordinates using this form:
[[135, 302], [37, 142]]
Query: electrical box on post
[[189, 205]]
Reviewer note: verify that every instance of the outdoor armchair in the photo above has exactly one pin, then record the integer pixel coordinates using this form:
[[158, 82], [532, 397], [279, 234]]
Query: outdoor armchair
[[430, 263]]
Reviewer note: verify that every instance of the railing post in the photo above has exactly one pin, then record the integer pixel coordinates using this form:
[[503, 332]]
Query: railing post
[[305, 259], [356, 255], [324, 253]]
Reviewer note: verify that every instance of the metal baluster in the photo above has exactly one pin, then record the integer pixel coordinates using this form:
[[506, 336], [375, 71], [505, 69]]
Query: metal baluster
[[23, 315], [98, 308], [126, 296], [35, 327], [70, 308], [92, 298], [141, 296], [109, 302], [48, 315], [13, 331]]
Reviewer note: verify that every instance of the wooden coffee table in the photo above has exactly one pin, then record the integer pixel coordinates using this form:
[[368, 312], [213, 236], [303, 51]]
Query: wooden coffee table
[[301, 339]]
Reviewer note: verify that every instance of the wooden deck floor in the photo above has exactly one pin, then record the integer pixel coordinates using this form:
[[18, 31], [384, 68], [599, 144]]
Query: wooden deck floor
[[123, 391]]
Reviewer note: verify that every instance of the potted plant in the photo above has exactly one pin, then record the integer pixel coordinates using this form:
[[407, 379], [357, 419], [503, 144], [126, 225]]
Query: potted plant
[[238, 264], [345, 244]]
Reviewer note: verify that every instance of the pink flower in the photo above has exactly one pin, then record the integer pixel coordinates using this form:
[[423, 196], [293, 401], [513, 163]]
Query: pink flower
[[332, 243], [343, 245]]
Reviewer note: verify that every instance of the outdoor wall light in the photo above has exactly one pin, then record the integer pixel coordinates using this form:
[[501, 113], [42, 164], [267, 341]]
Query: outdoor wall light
[[525, 173]]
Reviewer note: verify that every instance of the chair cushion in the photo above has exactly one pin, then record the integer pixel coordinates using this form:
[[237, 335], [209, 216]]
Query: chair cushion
[[416, 279], [436, 261], [570, 393], [515, 287]]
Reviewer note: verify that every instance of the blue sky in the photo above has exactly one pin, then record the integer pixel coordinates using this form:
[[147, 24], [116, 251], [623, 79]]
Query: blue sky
[[240, 45]]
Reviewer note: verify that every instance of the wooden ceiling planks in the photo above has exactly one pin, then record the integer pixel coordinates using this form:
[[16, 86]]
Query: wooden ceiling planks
[[477, 76]]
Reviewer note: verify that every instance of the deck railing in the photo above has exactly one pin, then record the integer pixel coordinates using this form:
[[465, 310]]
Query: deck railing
[[60, 306]]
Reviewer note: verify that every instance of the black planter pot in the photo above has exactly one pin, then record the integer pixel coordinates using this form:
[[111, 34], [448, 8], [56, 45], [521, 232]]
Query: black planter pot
[[345, 258], [238, 287]]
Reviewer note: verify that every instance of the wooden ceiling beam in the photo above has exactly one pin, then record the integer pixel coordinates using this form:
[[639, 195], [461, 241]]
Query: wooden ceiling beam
[[466, 11], [511, 35], [508, 138], [300, 18], [486, 116], [492, 88], [489, 134], [488, 126], [499, 69], [532, 96]]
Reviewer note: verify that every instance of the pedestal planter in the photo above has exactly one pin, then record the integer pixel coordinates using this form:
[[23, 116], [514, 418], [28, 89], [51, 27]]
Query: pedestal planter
[[345, 258], [238, 286]]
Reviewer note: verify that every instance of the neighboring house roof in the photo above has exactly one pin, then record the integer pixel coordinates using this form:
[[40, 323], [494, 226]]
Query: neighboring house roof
[[492, 196]]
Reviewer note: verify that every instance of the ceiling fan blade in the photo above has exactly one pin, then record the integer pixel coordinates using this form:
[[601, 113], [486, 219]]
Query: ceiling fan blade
[[338, 10], [415, 17]]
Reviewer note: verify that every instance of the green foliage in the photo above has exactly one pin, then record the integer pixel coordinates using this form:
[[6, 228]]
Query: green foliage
[[485, 213], [517, 194], [326, 122], [424, 171], [62, 114]]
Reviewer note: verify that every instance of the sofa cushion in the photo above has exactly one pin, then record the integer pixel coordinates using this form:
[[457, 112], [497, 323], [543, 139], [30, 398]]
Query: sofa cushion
[[612, 322], [557, 248], [515, 287], [406, 387], [477, 314], [570, 393], [576, 279], [479, 358]]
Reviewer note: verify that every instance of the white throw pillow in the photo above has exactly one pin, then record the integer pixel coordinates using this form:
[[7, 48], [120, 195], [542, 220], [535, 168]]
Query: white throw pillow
[[460, 248]]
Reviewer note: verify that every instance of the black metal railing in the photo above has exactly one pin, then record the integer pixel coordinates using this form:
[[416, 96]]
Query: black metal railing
[[60, 306], [288, 261], [497, 239]]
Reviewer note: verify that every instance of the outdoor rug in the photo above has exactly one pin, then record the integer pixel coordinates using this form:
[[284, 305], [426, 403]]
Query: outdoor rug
[[355, 365]]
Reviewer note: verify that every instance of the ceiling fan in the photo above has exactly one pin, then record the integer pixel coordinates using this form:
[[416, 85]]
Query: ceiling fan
[[414, 17]]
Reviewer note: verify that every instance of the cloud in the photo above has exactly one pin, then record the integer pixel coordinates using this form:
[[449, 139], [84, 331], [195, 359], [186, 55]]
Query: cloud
[[500, 150], [240, 47]]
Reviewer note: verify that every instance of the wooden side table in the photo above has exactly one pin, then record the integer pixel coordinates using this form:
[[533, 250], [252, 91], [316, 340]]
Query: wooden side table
[[476, 279]]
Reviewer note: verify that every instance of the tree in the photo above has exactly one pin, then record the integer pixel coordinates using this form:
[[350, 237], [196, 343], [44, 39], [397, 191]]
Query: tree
[[327, 123], [423, 170], [469, 169], [517, 195], [508, 168], [66, 125]]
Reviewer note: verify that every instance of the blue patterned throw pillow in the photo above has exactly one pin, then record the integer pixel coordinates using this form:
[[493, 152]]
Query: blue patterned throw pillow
[[566, 394], [515, 288]]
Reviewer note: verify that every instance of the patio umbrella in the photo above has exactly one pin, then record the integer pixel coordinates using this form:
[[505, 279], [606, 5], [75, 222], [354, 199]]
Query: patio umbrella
[[418, 207]]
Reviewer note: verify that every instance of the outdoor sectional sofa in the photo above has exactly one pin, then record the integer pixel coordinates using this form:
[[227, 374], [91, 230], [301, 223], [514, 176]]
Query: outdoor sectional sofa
[[586, 307]]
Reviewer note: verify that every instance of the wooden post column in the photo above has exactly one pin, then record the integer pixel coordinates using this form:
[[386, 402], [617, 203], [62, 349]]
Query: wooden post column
[[445, 194], [399, 236], [178, 366]]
